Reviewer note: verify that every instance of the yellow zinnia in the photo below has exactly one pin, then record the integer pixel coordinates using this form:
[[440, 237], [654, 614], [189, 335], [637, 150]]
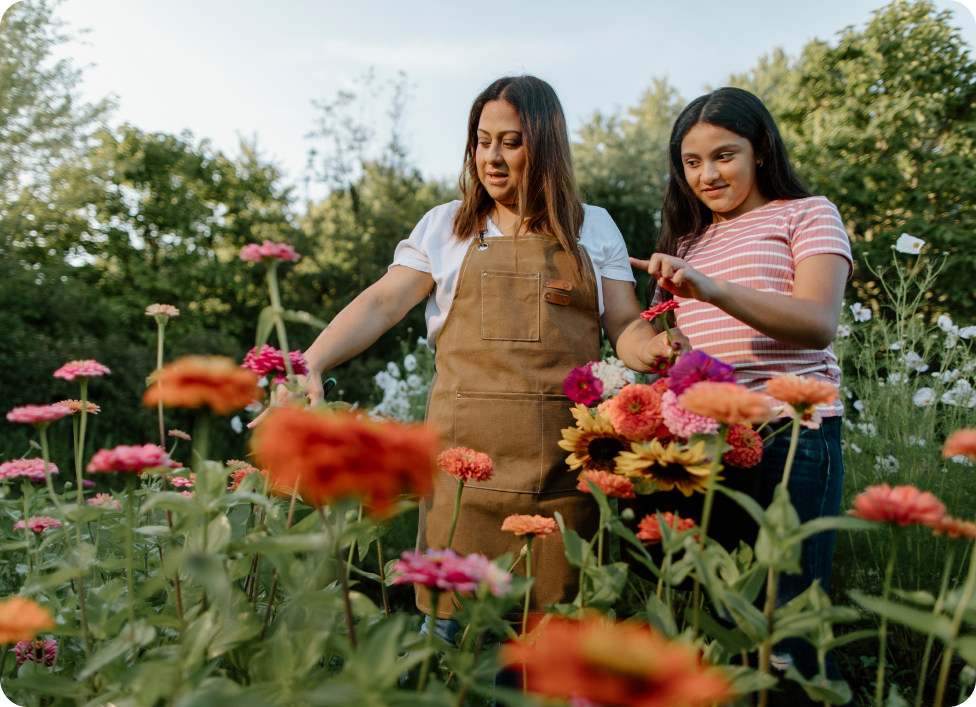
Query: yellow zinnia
[[671, 466], [593, 442]]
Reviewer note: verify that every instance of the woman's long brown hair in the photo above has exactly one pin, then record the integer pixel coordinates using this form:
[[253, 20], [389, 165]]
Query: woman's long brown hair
[[548, 200]]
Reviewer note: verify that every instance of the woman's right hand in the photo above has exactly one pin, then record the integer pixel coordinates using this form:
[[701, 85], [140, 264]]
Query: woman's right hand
[[312, 390], [660, 346]]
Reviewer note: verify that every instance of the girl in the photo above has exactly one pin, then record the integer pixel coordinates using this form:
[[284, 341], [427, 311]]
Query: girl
[[759, 266], [520, 277]]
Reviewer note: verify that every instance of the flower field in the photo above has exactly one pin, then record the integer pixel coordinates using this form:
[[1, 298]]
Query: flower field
[[148, 575]]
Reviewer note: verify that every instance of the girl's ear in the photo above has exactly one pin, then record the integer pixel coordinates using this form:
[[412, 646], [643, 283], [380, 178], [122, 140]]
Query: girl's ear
[[763, 153]]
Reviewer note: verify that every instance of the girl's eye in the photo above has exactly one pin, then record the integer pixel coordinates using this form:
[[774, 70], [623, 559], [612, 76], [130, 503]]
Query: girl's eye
[[725, 156], [691, 163]]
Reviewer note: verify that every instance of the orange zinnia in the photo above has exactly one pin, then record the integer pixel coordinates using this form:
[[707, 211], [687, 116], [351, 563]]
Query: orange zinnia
[[961, 442], [529, 525], [955, 528], [904, 505], [331, 456], [613, 485], [621, 664], [195, 381], [801, 393], [21, 619], [729, 403]]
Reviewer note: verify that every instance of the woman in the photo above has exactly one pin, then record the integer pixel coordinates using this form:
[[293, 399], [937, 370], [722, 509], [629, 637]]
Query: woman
[[759, 266], [520, 277]]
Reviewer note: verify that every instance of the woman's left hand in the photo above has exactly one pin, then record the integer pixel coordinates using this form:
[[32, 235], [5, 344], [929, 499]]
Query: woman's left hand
[[677, 277]]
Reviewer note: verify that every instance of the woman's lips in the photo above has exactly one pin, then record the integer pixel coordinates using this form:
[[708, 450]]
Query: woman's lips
[[497, 178]]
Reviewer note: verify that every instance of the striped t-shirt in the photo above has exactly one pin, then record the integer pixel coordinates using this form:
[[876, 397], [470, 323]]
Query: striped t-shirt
[[760, 249]]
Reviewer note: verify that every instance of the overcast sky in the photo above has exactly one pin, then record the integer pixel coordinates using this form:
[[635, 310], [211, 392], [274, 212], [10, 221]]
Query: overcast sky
[[226, 68]]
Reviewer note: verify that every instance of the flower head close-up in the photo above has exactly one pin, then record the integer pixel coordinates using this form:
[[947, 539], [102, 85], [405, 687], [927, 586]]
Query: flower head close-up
[[582, 387], [75, 406], [32, 469], [466, 464], [728, 403], [670, 466], [695, 366], [197, 381], [129, 459], [649, 529], [613, 485], [530, 525], [268, 249], [38, 414], [901, 505], [594, 443], [88, 368], [636, 412]]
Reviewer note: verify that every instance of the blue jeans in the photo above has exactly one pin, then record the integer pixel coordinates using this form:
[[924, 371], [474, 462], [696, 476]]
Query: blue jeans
[[816, 485]]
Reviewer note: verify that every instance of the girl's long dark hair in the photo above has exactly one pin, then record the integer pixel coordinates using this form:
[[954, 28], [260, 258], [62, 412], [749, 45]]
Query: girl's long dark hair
[[684, 217], [548, 200]]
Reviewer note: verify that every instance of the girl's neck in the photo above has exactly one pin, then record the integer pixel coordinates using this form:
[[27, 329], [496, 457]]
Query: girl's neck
[[505, 218], [753, 201]]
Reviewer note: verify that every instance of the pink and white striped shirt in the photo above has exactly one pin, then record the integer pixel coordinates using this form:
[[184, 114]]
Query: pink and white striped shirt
[[760, 249]]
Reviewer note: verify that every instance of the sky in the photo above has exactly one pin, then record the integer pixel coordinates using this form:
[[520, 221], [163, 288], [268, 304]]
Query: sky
[[224, 69]]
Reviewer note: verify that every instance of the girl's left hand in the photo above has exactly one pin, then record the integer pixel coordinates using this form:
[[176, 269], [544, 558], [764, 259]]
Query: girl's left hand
[[677, 277]]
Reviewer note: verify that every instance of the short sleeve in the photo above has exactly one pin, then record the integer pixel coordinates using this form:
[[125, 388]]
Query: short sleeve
[[818, 229], [606, 245], [412, 252]]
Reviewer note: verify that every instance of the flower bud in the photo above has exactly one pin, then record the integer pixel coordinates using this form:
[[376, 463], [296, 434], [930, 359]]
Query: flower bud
[[627, 514]]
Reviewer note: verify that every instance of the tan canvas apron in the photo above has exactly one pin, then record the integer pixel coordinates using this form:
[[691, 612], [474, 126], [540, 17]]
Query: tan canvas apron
[[509, 340]]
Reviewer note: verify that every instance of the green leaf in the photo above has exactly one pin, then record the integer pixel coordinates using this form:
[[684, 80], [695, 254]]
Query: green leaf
[[287, 544], [819, 525], [850, 638], [920, 597], [819, 689], [660, 616], [745, 680], [608, 583], [301, 317], [573, 546], [171, 501], [128, 639], [966, 648], [645, 488], [265, 325], [731, 640], [601, 500], [921, 621], [54, 579], [48, 684]]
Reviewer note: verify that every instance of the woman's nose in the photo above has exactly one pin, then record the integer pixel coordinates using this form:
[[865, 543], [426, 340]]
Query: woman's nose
[[494, 154]]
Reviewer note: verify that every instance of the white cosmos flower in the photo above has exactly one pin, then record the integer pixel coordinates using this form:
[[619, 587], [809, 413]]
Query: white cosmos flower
[[915, 362], [856, 448], [848, 424], [908, 244], [944, 322], [924, 397], [393, 369], [967, 332], [950, 341], [410, 363], [867, 428], [897, 345], [236, 424], [859, 405], [897, 378], [860, 312], [916, 441], [947, 376], [970, 367], [888, 463], [961, 395], [843, 331], [961, 459]]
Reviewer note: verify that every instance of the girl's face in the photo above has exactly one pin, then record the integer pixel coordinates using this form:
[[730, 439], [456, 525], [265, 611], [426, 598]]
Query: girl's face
[[720, 167], [500, 154]]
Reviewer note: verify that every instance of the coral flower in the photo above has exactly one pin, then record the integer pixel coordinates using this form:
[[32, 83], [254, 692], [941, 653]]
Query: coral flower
[[179, 434], [181, 481], [271, 360], [636, 412], [729, 403], [188, 494], [670, 466], [38, 414], [104, 499], [282, 251], [466, 464], [128, 459], [612, 485], [162, 310], [529, 525], [331, 456], [682, 423], [444, 570], [195, 381], [659, 309], [616, 665], [955, 528], [961, 442], [89, 368], [593, 442], [75, 406], [37, 651], [695, 366], [582, 387], [38, 524], [238, 474], [904, 505], [649, 529], [747, 446], [21, 619], [33, 469], [799, 392]]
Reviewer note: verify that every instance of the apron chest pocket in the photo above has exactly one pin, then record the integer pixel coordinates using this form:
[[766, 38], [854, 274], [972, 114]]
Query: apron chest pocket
[[510, 306]]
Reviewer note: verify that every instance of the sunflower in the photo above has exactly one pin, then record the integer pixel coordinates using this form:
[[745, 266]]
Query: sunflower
[[593, 442], [671, 466]]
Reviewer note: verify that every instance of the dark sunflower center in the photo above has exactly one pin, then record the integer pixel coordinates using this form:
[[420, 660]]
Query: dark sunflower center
[[603, 450], [671, 472]]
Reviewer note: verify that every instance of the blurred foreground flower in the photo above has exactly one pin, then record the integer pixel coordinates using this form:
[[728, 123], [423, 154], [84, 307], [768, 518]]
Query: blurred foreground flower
[[21, 619], [445, 571], [649, 529], [38, 524], [799, 392], [38, 651], [267, 250], [955, 528], [904, 505], [728, 403], [529, 525], [89, 368], [621, 665], [33, 469], [195, 381], [75, 406], [38, 414], [961, 442], [128, 459], [613, 485], [466, 464]]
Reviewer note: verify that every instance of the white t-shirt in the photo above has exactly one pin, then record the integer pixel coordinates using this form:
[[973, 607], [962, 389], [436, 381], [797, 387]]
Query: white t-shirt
[[433, 249]]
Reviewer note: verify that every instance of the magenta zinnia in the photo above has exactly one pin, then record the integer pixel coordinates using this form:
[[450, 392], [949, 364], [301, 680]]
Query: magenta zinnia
[[104, 499], [271, 360], [466, 464], [38, 523], [696, 366], [582, 387], [254, 252], [89, 368], [33, 469], [129, 459], [33, 414], [37, 651], [445, 571]]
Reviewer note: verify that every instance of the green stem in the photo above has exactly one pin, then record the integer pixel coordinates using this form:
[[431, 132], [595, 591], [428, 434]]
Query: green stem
[[794, 442], [429, 644], [161, 329], [352, 545], [350, 620], [80, 447], [457, 511], [130, 492], [706, 517], [386, 599], [525, 612], [276, 307], [936, 611], [27, 530], [883, 631], [967, 594]]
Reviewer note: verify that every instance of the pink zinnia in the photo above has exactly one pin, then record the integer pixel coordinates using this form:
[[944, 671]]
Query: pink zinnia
[[37, 651], [612, 485], [162, 310], [282, 251], [466, 464], [38, 523], [129, 459], [89, 368], [178, 433], [75, 406], [446, 571], [271, 360], [104, 499], [904, 505], [649, 529], [33, 469], [33, 414], [659, 309], [683, 423], [181, 481], [636, 412], [581, 386], [188, 494]]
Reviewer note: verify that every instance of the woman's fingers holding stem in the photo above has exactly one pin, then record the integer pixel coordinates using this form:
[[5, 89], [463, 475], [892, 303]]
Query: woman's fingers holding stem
[[312, 391]]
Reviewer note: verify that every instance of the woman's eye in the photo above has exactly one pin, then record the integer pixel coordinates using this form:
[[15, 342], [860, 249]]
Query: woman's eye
[[511, 145]]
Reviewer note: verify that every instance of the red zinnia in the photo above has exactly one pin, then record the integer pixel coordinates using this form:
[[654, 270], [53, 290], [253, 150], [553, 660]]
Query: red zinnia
[[613, 485], [955, 528], [89, 368], [37, 651], [904, 505], [466, 464], [747, 446], [659, 309], [582, 387], [649, 529]]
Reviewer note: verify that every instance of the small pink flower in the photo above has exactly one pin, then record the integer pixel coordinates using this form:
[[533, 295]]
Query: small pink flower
[[582, 387], [659, 309], [188, 494], [89, 368], [129, 459], [33, 469], [180, 481], [282, 251], [75, 406], [104, 499], [683, 423], [34, 414], [446, 571], [270, 360], [164, 310], [38, 523], [85, 483], [466, 464], [37, 651], [179, 433]]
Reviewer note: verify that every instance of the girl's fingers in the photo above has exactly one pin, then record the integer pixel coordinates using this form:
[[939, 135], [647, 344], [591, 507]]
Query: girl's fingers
[[640, 264]]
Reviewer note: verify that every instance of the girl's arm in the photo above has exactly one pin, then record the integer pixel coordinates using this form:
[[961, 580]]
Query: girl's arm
[[636, 342], [358, 325], [808, 318]]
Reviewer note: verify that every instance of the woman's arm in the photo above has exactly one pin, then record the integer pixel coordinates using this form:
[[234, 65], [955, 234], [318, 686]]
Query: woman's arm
[[636, 342], [358, 325], [807, 318]]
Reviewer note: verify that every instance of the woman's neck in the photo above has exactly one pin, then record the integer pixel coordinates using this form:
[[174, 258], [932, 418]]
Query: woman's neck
[[505, 218]]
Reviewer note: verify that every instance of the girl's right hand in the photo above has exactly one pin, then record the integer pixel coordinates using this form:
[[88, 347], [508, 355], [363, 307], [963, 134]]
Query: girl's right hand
[[677, 277], [660, 346], [312, 390]]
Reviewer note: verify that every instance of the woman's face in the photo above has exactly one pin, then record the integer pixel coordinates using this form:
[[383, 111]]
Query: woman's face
[[500, 154], [720, 167]]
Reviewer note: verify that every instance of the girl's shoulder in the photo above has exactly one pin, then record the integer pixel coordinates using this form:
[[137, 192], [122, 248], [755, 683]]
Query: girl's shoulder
[[808, 206]]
